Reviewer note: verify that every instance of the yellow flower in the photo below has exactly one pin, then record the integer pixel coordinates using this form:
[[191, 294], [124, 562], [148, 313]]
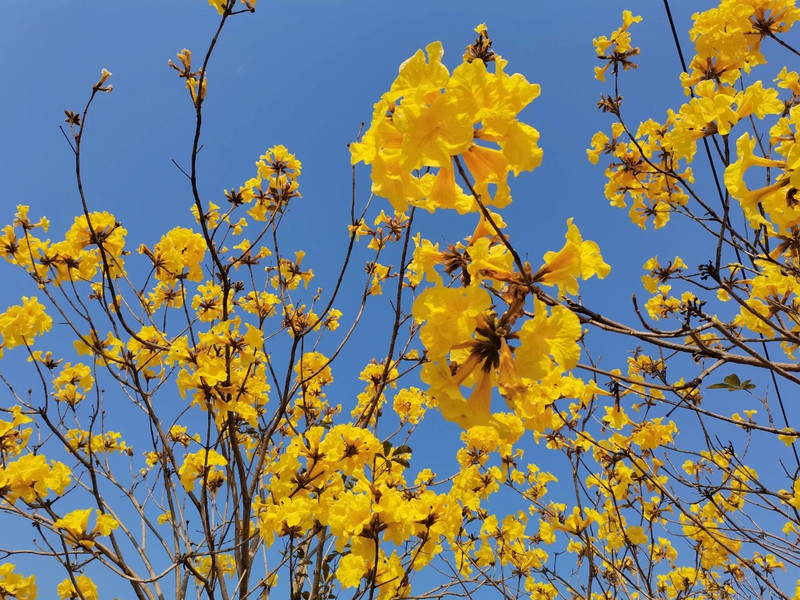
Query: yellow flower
[[13, 438], [732, 33], [355, 447], [30, 477], [86, 589], [289, 273], [428, 117], [351, 569], [313, 372], [577, 259], [78, 439], [178, 254], [770, 199], [207, 303], [212, 216], [662, 304], [80, 244], [76, 524], [379, 274], [261, 304], [219, 5], [177, 434], [20, 324], [450, 316], [652, 434], [14, 585], [617, 49], [616, 417], [789, 436], [224, 562], [72, 383], [201, 465], [658, 274], [145, 351], [549, 342], [410, 404]]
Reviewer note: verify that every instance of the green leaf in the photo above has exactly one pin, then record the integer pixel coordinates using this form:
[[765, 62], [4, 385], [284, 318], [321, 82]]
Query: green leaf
[[402, 449], [732, 383]]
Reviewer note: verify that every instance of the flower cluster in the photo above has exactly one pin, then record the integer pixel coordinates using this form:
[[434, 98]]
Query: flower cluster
[[430, 119]]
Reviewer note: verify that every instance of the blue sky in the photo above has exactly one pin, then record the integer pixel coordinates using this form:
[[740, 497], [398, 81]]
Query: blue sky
[[305, 74]]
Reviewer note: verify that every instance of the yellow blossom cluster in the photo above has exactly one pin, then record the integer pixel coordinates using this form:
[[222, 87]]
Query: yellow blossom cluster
[[224, 372], [72, 383], [20, 324], [30, 477], [13, 438], [81, 586], [430, 116], [110, 441], [76, 525], [94, 244], [273, 187], [15, 585]]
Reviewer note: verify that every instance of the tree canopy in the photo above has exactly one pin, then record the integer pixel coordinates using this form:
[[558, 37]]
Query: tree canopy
[[204, 431]]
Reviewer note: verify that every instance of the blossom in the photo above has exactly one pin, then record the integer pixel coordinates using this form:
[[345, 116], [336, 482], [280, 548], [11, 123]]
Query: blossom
[[202, 465], [219, 5], [616, 50], [313, 372], [30, 477], [658, 274], [449, 315], [430, 116], [578, 258], [83, 588], [548, 342], [76, 526], [13, 438], [19, 324], [80, 246], [410, 404], [207, 303], [178, 254], [78, 439], [15, 585], [350, 570], [72, 383], [772, 198]]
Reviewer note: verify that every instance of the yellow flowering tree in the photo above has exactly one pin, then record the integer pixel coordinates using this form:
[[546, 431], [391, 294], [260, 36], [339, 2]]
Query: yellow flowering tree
[[227, 464]]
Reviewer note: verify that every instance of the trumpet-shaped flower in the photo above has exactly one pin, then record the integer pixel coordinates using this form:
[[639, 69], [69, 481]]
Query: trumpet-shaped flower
[[76, 526], [20, 324]]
